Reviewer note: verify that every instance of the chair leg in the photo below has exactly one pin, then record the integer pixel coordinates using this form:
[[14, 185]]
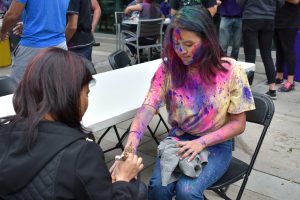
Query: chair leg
[[153, 135], [103, 135], [222, 193], [242, 188], [119, 144], [163, 121], [149, 53], [120, 139], [138, 54]]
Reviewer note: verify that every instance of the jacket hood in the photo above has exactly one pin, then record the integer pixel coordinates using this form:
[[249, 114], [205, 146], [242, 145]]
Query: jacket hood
[[17, 167]]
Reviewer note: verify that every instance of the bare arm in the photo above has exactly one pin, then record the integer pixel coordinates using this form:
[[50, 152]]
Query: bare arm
[[71, 26], [11, 18], [139, 125], [136, 7], [97, 13], [213, 10], [234, 127], [293, 1]]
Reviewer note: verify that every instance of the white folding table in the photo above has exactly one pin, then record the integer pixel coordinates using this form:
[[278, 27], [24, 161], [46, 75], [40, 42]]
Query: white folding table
[[115, 96]]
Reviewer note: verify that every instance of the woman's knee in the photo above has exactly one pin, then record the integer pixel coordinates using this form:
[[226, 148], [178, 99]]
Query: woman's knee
[[189, 191]]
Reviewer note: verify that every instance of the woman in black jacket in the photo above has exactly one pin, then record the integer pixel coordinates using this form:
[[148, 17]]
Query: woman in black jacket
[[44, 153]]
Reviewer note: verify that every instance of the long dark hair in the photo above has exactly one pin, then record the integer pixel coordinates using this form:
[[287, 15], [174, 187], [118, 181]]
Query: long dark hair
[[51, 84], [196, 19]]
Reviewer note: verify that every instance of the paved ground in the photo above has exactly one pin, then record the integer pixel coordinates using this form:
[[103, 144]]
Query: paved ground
[[276, 173]]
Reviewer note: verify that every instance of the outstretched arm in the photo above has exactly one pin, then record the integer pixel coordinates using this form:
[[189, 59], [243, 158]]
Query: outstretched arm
[[139, 125]]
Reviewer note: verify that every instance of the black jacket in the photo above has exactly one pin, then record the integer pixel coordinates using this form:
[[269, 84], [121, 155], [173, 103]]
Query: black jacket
[[61, 162]]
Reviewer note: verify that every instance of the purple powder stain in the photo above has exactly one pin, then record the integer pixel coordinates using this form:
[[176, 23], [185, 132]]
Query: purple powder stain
[[247, 93]]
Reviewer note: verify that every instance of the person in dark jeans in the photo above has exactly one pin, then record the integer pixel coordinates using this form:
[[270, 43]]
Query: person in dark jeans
[[286, 28], [79, 28], [258, 25], [230, 31]]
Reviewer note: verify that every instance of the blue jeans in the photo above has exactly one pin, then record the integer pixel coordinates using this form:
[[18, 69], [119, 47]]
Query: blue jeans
[[231, 33], [187, 188], [85, 51]]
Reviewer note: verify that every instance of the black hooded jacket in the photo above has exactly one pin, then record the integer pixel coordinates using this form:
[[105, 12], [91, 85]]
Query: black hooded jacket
[[60, 165]]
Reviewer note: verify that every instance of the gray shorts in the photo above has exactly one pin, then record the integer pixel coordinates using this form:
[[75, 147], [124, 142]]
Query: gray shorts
[[22, 56]]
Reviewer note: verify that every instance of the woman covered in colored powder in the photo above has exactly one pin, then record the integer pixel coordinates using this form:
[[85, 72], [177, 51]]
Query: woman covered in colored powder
[[206, 97]]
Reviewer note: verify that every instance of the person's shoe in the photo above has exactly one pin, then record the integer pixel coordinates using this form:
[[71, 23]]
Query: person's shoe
[[286, 87], [272, 94]]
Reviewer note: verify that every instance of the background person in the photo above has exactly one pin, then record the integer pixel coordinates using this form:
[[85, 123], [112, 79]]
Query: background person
[[79, 34], [49, 156], [41, 29], [147, 10], [286, 29], [206, 97], [258, 25], [230, 31]]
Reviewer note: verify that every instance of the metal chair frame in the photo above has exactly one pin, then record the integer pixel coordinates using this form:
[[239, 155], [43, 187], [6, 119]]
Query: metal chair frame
[[238, 169], [146, 28], [118, 22], [7, 85]]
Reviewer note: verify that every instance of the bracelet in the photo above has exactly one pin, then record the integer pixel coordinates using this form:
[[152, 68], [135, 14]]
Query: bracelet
[[138, 134]]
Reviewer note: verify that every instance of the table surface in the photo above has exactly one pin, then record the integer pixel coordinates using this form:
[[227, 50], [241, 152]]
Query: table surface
[[135, 21], [115, 96]]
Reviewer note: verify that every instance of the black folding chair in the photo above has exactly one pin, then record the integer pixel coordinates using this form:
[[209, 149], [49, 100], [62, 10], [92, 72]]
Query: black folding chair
[[7, 85], [238, 169], [117, 60]]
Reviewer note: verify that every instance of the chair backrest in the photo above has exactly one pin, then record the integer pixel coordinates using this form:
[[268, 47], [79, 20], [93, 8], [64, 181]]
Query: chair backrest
[[119, 59], [262, 115], [7, 85], [150, 27], [90, 66]]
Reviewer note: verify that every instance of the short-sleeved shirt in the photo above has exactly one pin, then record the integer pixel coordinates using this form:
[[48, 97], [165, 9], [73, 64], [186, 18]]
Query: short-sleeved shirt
[[83, 36], [149, 11], [177, 4], [44, 22], [198, 108]]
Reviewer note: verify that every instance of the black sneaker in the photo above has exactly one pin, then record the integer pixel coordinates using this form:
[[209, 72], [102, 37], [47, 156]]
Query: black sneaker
[[272, 94]]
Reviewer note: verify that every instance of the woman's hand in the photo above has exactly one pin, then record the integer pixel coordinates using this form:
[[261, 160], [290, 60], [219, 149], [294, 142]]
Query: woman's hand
[[128, 169], [191, 148]]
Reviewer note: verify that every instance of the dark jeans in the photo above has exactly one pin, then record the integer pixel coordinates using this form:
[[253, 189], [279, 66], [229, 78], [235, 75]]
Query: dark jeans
[[260, 30], [285, 49], [84, 51]]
